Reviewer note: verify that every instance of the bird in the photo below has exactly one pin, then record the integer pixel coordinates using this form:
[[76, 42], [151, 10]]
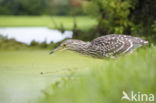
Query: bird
[[107, 46]]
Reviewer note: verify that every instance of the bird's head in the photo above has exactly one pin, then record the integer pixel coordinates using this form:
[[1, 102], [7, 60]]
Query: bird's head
[[70, 44]]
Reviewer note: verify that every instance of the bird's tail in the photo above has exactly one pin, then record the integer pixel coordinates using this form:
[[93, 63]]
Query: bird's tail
[[140, 41], [145, 42]]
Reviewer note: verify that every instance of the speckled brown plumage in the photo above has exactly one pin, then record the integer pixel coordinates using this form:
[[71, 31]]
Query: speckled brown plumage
[[105, 46]]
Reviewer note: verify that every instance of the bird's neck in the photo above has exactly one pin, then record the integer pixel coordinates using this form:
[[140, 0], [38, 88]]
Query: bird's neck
[[82, 47]]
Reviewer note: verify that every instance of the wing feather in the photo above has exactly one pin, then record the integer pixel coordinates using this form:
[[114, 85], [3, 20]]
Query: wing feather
[[114, 44], [109, 44]]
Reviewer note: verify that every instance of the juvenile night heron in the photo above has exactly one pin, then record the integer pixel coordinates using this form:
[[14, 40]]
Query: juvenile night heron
[[104, 46]]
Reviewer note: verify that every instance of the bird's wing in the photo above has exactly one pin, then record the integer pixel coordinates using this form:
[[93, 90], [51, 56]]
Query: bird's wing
[[115, 44], [109, 44]]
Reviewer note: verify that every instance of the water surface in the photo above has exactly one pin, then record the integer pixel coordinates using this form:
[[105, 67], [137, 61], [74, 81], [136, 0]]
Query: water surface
[[20, 78], [39, 34]]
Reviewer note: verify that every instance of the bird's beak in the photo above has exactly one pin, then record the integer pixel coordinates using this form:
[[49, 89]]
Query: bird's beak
[[57, 49]]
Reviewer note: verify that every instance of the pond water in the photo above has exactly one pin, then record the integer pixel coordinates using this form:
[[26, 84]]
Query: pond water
[[39, 34], [20, 78]]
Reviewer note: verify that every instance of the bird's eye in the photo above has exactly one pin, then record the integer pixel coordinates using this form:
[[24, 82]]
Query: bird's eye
[[64, 45]]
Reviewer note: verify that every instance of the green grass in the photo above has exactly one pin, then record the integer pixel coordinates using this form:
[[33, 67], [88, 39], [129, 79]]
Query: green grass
[[105, 81], [73, 78], [67, 21]]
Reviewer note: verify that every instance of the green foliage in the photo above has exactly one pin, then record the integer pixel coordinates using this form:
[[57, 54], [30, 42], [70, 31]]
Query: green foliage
[[104, 82], [51, 45], [12, 44], [22, 7], [38, 7], [44, 45], [34, 43], [132, 17], [6, 44], [154, 26], [112, 15], [143, 16], [54, 22]]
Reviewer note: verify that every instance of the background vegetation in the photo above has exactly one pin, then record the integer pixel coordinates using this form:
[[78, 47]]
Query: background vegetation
[[54, 22], [40, 7], [131, 17]]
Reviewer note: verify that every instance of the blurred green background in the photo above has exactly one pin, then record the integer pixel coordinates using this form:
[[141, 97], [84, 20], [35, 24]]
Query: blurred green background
[[28, 74], [131, 17]]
